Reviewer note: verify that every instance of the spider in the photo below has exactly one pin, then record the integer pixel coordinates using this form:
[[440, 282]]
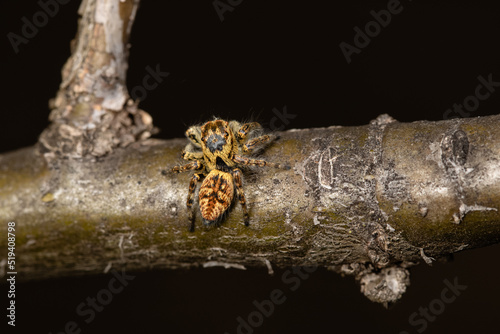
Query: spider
[[216, 150]]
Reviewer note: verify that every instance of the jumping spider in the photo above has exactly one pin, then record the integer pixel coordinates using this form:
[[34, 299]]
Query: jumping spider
[[216, 150]]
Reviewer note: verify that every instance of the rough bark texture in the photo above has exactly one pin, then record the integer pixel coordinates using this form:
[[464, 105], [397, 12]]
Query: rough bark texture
[[92, 113], [358, 199]]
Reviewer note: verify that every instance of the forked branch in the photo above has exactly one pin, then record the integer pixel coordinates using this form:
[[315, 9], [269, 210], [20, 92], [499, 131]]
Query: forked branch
[[368, 201]]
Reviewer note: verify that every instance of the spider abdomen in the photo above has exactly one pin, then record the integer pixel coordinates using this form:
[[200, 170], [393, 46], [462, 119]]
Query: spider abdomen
[[216, 195]]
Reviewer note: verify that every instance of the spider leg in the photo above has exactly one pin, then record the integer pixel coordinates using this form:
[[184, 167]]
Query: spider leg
[[241, 195], [254, 162], [190, 166], [192, 187], [194, 135], [243, 131], [251, 144], [192, 155]]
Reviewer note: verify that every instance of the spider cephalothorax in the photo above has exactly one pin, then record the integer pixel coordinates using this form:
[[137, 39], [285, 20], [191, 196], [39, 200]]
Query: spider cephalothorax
[[216, 150]]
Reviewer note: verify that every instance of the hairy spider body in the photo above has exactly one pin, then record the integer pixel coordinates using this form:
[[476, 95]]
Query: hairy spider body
[[216, 195], [216, 150]]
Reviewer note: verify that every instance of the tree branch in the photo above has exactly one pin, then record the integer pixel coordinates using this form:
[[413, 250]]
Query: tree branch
[[358, 199], [92, 113]]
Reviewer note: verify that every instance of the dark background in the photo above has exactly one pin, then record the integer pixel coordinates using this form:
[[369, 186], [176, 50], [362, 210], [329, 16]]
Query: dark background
[[262, 56]]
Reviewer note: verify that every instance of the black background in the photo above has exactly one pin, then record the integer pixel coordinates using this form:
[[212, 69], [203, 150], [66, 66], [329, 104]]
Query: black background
[[262, 56]]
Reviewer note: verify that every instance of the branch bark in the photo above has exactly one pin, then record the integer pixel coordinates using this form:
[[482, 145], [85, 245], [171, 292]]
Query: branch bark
[[370, 201], [92, 113], [361, 200]]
